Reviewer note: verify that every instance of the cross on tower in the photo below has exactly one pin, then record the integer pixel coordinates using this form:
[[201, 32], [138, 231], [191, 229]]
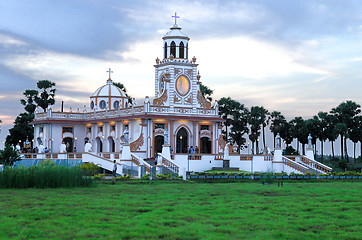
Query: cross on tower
[[175, 18], [109, 71]]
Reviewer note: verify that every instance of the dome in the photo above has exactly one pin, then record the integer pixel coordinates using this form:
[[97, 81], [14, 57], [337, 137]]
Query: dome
[[109, 90], [108, 97], [175, 33]]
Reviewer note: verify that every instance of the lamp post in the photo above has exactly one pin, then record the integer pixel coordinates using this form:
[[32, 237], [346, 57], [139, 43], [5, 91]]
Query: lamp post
[[67, 152], [257, 146]]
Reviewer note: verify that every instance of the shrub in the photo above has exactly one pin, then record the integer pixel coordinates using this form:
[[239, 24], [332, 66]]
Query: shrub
[[98, 176], [145, 177], [89, 169], [43, 176]]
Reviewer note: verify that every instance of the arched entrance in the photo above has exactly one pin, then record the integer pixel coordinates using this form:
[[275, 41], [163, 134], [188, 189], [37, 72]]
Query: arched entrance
[[181, 141], [159, 141], [99, 145], [205, 145], [111, 144], [69, 143]]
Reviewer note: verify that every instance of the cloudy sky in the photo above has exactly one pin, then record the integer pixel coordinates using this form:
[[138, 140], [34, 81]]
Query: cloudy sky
[[297, 57]]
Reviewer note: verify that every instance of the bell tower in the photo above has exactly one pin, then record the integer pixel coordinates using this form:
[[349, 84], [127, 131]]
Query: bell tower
[[177, 82]]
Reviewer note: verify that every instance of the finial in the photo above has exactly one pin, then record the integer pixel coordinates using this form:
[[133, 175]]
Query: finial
[[157, 60], [194, 59], [198, 76], [175, 18], [109, 71]]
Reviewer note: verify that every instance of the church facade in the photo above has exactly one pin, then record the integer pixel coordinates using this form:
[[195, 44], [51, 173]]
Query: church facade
[[178, 115]]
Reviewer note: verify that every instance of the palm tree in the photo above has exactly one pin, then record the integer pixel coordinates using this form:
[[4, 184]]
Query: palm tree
[[345, 113], [227, 107], [299, 131], [322, 131], [331, 130], [276, 119], [239, 126], [256, 120], [355, 133]]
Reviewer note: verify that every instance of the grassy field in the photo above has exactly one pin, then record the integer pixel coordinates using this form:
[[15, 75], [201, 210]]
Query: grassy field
[[164, 210]]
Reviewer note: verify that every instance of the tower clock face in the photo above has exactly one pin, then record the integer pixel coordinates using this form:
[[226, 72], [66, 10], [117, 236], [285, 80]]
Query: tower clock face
[[182, 85], [162, 84]]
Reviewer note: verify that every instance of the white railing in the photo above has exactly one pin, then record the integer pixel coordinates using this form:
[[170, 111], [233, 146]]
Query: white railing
[[163, 161], [315, 165], [142, 109], [140, 162], [297, 166]]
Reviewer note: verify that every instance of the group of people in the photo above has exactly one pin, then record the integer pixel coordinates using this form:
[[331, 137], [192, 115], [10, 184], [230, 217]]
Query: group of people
[[192, 150]]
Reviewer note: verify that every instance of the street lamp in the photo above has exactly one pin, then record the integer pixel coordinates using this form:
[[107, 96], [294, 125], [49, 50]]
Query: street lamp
[[248, 147], [257, 146]]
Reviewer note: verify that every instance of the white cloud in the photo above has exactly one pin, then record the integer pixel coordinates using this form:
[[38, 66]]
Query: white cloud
[[7, 41]]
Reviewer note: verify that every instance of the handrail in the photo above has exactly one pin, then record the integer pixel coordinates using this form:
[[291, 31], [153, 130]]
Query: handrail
[[294, 165], [164, 161], [315, 164], [140, 161]]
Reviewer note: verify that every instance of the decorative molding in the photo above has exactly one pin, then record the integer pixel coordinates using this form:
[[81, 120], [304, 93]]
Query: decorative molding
[[159, 131], [178, 71], [189, 99], [188, 72], [136, 145], [176, 99], [202, 101], [205, 133], [161, 100]]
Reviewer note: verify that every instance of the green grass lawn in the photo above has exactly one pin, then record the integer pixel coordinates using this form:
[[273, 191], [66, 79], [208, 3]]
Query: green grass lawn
[[163, 210]]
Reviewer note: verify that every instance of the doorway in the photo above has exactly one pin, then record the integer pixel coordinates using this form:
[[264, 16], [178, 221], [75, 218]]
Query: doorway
[[181, 141]]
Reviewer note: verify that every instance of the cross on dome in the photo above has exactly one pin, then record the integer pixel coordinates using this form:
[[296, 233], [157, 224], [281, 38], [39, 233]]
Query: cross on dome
[[109, 71], [175, 18]]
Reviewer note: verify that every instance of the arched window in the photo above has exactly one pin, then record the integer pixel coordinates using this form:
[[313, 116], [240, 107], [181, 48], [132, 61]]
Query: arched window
[[116, 105], [187, 51], [165, 49], [92, 105], [181, 50], [181, 141], [173, 49], [102, 104]]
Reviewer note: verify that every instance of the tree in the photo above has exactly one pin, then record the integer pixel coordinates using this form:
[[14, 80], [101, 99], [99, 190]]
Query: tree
[[286, 132], [265, 118], [239, 126], [355, 134], [256, 120], [206, 92], [331, 130], [21, 130], [276, 121], [300, 132], [345, 114], [9, 155], [47, 94], [227, 107], [322, 133], [123, 88], [29, 103]]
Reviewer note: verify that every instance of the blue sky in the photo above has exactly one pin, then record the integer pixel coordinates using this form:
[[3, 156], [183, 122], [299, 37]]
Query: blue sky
[[297, 57]]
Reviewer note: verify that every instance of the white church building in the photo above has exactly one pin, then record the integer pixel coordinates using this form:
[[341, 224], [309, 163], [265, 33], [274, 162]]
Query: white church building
[[167, 125]]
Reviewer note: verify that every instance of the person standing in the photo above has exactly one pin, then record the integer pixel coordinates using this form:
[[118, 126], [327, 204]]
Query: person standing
[[114, 168]]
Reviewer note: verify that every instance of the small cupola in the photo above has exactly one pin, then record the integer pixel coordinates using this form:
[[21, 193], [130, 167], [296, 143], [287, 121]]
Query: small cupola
[[175, 42]]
